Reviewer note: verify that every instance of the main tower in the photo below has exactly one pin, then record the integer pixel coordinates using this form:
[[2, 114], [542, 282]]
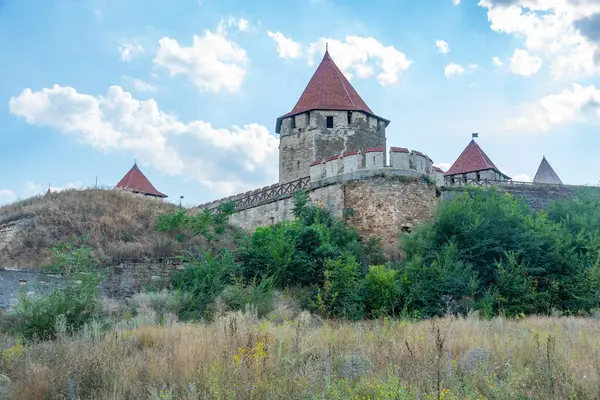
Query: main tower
[[329, 119]]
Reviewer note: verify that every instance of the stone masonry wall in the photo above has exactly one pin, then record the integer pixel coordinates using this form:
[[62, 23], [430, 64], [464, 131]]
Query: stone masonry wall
[[329, 197], [380, 204], [537, 196], [122, 281], [311, 140], [387, 206]]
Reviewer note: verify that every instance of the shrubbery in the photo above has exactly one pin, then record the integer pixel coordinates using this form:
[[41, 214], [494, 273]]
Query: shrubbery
[[485, 251], [488, 250], [74, 305]]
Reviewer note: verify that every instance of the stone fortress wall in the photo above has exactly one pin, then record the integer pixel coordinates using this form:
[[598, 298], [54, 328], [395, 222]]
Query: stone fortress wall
[[306, 137], [379, 198]]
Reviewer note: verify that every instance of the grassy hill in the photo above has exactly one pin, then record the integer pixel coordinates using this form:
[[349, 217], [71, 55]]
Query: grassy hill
[[119, 226]]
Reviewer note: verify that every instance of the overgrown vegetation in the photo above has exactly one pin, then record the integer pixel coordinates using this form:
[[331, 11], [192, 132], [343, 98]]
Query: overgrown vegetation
[[489, 251], [239, 356], [67, 308], [119, 225], [485, 254], [311, 256], [485, 251]]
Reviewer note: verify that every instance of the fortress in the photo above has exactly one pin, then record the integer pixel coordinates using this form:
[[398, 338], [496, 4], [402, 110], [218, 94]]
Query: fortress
[[334, 146]]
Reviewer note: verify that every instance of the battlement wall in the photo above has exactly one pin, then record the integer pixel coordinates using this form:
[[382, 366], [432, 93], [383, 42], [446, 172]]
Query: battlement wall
[[537, 195], [340, 169], [380, 198], [350, 164]]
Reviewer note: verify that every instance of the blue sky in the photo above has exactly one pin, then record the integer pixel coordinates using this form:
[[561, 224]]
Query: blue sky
[[192, 88]]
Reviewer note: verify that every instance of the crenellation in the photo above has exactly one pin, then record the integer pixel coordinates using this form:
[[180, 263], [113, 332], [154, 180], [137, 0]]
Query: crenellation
[[420, 162], [334, 166], [438, 174], [375, 157], [352, 161], [317, 170], [399, 158]]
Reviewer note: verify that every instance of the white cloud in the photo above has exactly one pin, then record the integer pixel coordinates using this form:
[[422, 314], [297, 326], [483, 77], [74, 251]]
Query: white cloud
[[444, 166], [522, 63], [143, 86], [34, 188], [241, 24], [226, 160], [129, 51], [442, 46], [286, 47], [363, 57], [473, 66], [522, 178], [552, 30], [212, 63], [456, 2], [575, 105], [453, 69], [497, 61], [6, 193], [140, 85]]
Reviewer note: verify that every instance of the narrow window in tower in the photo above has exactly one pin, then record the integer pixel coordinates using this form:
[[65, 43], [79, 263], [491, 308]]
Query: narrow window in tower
[[294, 122], [349, 117], [297, 164], [478, 176], [330, 122], [308, 118]]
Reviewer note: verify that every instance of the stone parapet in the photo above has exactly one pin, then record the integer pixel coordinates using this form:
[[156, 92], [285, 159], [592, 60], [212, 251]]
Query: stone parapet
[[402, 162]]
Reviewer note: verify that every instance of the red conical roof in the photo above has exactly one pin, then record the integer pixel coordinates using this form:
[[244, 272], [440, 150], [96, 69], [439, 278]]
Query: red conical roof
[[328, 89], [135, 181], [472, 159]]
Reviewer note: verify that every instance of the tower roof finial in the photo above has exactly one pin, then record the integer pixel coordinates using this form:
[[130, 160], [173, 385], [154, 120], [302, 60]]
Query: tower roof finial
[[326, 47]]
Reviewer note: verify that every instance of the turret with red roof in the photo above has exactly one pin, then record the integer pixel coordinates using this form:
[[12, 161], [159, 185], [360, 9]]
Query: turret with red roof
[[135, 181], [473, 164], [329, 119]]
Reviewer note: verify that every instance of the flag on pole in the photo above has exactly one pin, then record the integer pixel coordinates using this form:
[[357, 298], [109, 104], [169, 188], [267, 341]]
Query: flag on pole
[[475, 135]]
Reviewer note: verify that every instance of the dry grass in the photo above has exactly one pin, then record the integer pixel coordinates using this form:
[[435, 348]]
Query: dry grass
[[241, 357], [119, 225]]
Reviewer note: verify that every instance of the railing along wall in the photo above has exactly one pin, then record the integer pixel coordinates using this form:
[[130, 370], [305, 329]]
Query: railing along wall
[[482, 182], [255, 197]]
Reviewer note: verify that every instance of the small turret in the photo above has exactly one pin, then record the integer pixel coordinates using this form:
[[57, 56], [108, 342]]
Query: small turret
[[473, 164], [329, 118]]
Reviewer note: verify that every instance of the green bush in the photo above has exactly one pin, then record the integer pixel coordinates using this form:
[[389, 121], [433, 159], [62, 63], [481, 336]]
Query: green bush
[[382, 290], [204, 277], [259, 295], [341, 293], [489, 250], [75, 304], [295, 253], [486, 250]]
